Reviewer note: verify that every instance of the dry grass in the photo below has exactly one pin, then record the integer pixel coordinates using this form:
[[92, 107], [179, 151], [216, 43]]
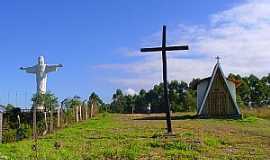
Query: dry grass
[[248, 138], [260, 112]]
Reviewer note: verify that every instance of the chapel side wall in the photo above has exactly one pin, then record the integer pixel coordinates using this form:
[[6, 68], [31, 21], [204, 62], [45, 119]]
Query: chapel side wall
[[201, 90], [232, 89]]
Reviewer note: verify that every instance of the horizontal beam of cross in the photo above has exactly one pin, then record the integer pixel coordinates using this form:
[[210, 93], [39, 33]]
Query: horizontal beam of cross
[[170, 48]]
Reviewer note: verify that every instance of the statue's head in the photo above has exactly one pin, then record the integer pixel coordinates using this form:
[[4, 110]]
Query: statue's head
[[41, 60]]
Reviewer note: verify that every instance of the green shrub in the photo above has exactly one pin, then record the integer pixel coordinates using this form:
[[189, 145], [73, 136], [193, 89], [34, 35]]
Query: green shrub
[[249, 119], [9, 136], [188, 134], [181, 154], [21, 133], [131, 151], [177, 145], [212, 141], [155, 144]]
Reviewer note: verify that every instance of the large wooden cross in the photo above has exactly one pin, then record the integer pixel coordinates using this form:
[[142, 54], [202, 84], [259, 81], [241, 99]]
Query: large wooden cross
[[163, 49]]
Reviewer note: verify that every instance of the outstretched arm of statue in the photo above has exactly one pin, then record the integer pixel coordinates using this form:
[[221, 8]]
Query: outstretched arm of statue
[[53, 68], [29, 69]]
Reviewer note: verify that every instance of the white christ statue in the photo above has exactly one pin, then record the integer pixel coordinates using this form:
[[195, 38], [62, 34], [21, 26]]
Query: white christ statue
[[41, 70]]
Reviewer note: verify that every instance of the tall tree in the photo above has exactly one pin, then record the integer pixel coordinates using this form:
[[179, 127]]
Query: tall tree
[[266, 81], [9, 107], [177, 94], [50, 101], [140, 101], [76, 104], [193, 83], [130, 104], [95, 101], [118, 102]]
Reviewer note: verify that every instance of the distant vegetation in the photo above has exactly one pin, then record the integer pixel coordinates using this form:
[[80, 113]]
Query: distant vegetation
[[251, 91], [182, 98]]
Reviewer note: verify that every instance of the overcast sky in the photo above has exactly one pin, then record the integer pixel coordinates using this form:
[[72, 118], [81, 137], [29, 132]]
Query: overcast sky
[[98, 43]]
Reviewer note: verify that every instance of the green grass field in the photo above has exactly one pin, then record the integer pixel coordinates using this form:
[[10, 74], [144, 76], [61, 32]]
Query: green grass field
[[118, 136]]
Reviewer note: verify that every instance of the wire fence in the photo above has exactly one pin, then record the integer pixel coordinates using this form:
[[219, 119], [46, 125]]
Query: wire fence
[[16, 124], [18, 98]]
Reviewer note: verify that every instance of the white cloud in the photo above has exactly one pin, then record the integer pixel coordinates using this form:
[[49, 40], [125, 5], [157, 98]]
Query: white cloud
[[240, 36], [131, 92]]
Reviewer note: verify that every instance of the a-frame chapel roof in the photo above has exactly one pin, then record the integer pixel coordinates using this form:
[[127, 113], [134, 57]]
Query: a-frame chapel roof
[[218, 68]]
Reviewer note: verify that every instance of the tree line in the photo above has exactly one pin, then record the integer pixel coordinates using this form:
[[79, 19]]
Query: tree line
[[251, 91], [182, 98]]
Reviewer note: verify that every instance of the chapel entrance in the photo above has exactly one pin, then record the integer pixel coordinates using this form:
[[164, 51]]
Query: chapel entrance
[[217, 105]]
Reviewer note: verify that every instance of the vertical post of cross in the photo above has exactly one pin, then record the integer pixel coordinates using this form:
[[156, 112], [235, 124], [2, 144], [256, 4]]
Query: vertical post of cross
[[165, 81], [163, 50]]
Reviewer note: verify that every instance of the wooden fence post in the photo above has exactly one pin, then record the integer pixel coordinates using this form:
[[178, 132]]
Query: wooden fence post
[[35, 121], [91, 112], [51, 120], [77, 115], [1, 126], [46, 123], [86, 111], [83, 112], [58, 117], [80, 110]]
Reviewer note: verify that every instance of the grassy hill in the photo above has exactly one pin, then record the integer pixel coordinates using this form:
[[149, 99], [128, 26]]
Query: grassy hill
[[118, 136]]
